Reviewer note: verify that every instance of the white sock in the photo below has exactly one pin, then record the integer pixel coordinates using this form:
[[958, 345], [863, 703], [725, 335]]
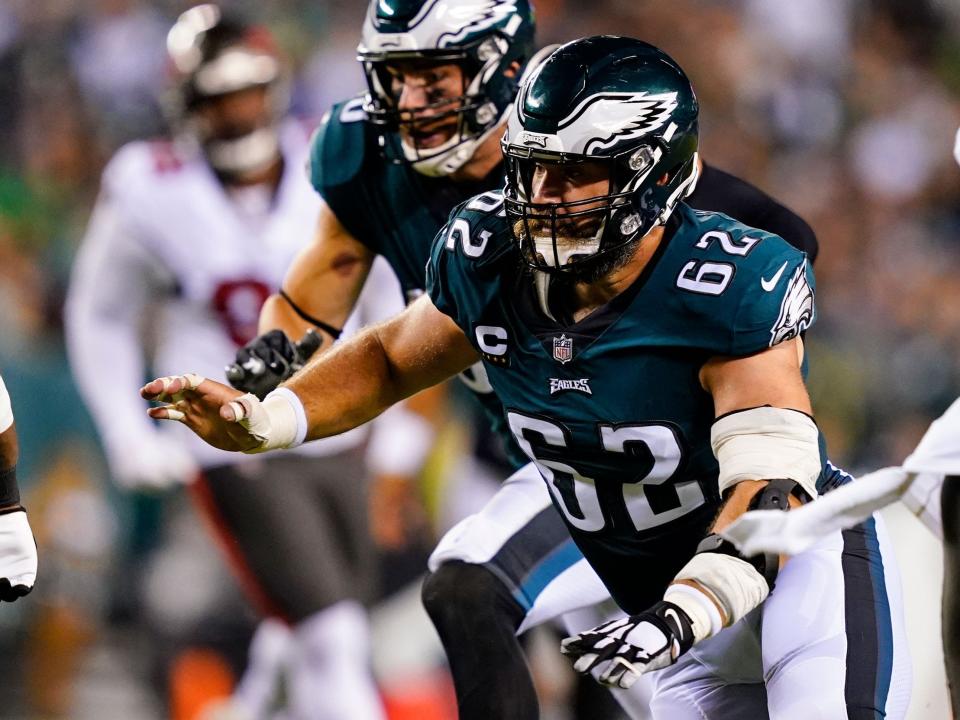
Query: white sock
[[329, 676], [268, 654]]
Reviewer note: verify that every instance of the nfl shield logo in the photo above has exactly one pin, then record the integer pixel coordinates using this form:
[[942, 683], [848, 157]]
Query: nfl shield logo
[[563, 349]]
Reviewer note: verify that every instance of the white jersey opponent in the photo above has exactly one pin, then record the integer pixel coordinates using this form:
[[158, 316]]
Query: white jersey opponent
[[174, 262]]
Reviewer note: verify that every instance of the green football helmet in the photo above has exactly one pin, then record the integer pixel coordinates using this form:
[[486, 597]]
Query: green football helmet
[[484, 37], [612, 103]]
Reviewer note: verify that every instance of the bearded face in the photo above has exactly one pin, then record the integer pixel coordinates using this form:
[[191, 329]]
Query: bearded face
[[568, 208]]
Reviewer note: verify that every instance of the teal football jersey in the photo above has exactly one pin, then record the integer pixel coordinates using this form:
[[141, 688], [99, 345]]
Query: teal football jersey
[[392, 209], [395, 212], [611, 408]]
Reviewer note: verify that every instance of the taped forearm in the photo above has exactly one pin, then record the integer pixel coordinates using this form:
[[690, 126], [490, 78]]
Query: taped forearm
[[719, 585], [716, 591]]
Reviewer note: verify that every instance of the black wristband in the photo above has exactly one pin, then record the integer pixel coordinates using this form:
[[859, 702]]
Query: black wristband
[[329, 329], [9, 492]]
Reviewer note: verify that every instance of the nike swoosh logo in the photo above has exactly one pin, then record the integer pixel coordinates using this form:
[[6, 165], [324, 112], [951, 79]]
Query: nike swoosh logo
[[670, 613], [770, 284]]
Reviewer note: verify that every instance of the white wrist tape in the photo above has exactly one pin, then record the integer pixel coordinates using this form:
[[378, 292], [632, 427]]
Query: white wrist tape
[[400, 444], [279, 421], [6, 409], [703, 612], [766, 443], [734, 584]]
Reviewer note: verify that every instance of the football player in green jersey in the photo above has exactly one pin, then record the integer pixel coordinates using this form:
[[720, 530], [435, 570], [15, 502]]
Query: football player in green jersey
[[513, 565], [650, 361]]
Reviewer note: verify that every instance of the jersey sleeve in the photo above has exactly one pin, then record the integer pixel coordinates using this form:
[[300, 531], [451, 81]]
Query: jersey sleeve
[[776, 301], [338, 151], [464, 269], [442, 276]]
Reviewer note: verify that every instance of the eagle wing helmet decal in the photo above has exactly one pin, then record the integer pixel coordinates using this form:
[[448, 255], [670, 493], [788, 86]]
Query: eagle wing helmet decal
[[619, 116], [475, 17]]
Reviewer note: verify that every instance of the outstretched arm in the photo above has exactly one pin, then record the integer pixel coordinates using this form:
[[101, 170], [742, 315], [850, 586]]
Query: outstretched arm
[[336, 392], [358, 380]]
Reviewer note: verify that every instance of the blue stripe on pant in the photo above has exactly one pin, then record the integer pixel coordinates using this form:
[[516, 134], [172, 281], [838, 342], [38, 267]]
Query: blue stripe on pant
[[868, 623], [562, 557], [534, 556]]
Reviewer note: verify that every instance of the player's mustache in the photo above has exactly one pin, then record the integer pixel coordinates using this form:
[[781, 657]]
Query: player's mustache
[[582, 227]]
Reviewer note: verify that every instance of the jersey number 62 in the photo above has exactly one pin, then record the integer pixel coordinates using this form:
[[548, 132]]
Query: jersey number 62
[[586, 512]]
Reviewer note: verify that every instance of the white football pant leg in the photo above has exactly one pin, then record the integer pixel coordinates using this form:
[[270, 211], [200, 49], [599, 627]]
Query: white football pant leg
[[797, 643], [572, 594], [505, 518], [720, 677], [807, 634], [267, 659], [330, 676]]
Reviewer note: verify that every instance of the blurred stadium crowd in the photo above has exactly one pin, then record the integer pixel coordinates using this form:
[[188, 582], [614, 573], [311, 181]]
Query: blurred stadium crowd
[[845, 110]]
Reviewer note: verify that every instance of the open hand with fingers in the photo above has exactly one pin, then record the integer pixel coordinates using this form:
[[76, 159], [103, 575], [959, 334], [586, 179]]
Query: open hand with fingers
[[217, 413], [622, 650]]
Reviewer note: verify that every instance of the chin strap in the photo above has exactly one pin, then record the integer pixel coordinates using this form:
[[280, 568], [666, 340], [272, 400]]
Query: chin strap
[[541, 283]]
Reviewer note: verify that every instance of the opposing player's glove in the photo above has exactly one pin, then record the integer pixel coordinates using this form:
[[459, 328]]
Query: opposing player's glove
[[622, 650], [18, 555], [268, 360]]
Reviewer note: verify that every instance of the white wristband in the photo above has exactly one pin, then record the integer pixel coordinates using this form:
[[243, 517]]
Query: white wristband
[[6, 409], [703, 613], [301, 414], [281, 422]]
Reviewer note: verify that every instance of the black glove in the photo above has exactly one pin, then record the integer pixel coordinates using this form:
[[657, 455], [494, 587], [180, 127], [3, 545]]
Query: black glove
[[624, 649], [268, 360]]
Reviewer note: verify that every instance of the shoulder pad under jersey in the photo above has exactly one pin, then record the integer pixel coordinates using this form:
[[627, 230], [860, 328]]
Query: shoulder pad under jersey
[[468, 257]]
